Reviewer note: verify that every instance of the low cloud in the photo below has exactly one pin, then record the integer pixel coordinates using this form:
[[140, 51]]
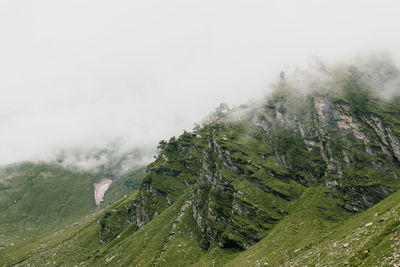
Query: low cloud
[[83, 75]]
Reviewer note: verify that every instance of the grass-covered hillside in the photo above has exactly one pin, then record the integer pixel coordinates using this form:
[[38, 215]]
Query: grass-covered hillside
[[302, 238], [303, 177], [36, 198]]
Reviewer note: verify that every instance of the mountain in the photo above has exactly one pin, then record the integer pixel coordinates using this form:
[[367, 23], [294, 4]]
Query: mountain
[[36, 198], [307, 176]]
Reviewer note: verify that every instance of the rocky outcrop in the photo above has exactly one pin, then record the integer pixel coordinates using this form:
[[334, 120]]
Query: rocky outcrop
[[243, 172]]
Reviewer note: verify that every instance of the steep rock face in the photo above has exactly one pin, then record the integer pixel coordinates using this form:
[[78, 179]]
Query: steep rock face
[[243, 173], [167, 178]]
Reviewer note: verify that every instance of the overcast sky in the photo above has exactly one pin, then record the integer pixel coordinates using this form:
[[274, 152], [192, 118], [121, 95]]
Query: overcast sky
[[82, 74]]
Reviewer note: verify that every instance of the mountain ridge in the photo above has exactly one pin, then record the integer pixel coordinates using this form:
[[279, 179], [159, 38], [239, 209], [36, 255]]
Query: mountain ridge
[[318, 159]]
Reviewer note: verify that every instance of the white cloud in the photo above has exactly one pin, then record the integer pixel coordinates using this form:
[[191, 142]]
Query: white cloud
[[83, 73]]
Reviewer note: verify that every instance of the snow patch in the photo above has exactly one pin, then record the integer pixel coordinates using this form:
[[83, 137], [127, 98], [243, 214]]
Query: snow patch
[[100, 189]]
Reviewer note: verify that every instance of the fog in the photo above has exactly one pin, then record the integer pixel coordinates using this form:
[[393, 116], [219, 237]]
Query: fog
[[81, 75]]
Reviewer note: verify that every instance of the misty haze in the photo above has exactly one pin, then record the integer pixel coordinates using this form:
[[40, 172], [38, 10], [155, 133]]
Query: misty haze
[[199, 133]]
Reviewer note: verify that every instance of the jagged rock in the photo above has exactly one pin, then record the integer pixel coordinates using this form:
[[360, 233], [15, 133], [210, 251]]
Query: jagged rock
[[303, 140]]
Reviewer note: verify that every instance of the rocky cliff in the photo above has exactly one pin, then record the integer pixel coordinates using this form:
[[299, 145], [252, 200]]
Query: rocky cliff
[[244, 172], [305, 176]]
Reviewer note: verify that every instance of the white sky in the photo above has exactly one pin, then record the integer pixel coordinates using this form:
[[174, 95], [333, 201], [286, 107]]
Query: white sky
[[80, 73]]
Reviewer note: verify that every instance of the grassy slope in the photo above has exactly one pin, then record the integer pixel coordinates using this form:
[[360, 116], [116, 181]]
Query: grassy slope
[[70, 244], [152, 245], [307, 239], [306, 236], [309, 236], [43, 197], [313, 216], [369, 239]]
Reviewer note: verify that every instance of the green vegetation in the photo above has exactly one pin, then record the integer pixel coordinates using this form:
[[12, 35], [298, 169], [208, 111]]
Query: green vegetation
[[302, 180], [39, 198]]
